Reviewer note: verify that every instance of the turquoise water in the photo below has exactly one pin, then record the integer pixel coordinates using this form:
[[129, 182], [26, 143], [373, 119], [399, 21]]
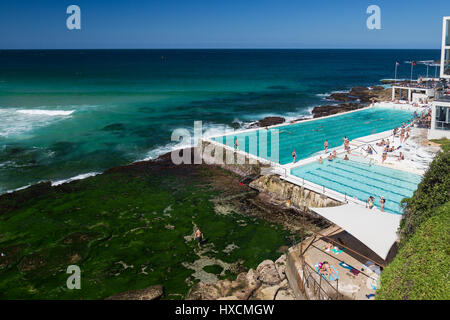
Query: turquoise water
[[65, 113], [362, 180], [307, 138]]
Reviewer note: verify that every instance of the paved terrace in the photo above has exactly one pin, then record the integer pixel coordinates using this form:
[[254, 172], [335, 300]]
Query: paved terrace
[[355, 286]]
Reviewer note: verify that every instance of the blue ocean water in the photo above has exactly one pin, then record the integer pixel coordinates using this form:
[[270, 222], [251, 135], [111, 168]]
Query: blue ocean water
[[68, 113]]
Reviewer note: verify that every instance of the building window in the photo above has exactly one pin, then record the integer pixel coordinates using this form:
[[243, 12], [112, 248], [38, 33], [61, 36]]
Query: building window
[[446, 63], [447, 36], [442, 118]]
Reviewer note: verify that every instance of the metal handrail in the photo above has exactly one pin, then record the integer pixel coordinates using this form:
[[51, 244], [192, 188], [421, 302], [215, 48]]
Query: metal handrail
[[308, 272]]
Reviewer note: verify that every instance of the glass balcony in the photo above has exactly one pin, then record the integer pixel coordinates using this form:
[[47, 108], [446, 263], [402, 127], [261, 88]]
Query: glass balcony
[[442, 118], [447, 37], [447, 62]]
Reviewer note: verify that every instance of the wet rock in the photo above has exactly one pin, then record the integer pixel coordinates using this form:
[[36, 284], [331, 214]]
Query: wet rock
[[268, 273], [329, 110], [268, 121], [149, 293]]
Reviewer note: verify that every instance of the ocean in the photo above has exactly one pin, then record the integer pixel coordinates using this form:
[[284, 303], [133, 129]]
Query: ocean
[[68, 114]]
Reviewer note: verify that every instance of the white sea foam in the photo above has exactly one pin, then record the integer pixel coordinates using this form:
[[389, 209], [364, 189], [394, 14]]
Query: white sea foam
[[78, 177], [17, 122], [58, 182], [51, 113]]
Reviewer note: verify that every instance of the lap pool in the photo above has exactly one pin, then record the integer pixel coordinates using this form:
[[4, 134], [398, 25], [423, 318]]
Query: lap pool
[[307, 137], [357, 178]]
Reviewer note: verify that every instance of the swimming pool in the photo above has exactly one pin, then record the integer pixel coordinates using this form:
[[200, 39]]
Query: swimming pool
[[307, 137], [358, 178]]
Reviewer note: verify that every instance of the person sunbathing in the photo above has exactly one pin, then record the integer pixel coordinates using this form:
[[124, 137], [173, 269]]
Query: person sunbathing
[[326, 269], [400, 157], [328, 246], [381, 143]]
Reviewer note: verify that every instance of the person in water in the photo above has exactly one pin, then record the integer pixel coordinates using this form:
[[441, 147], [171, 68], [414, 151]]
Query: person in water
[[334, 154], [346, 157], [294, 154], [325, 145], [320, 159], [199, 237], [330, 157]]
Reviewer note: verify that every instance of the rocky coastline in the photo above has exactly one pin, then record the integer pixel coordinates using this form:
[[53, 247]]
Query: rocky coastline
[[356, 98]]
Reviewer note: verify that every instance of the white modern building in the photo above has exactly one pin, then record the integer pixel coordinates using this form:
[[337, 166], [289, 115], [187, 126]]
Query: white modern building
[[440, 118], [445, 52]]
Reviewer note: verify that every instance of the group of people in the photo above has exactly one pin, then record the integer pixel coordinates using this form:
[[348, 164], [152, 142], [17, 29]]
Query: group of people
[[325, 269], [423, 120], [390, 148], [370, 203], [404, 132]]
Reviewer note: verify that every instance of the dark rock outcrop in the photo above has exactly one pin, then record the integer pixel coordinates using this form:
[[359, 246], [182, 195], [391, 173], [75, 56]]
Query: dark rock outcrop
[[267, 122], [328, 110]]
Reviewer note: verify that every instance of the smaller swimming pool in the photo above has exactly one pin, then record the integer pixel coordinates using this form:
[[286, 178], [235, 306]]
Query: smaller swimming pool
[[357, 178]]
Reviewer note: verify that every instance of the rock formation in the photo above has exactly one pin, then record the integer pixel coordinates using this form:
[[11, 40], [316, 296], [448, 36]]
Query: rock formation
[[267, 282]]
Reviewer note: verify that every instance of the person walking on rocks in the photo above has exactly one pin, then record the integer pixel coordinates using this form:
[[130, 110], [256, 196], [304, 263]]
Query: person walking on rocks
[[199, 237]]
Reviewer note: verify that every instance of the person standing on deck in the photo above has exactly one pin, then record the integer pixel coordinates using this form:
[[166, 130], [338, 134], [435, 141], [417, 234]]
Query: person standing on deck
[[370, 202], [382, 202], [325, 145], [236, 144]]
